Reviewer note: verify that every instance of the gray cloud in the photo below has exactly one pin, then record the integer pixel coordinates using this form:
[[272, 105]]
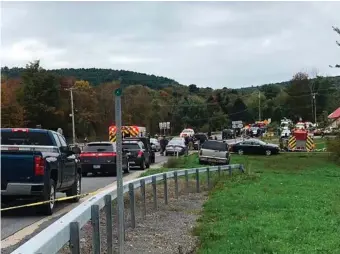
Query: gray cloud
[[213, 44]]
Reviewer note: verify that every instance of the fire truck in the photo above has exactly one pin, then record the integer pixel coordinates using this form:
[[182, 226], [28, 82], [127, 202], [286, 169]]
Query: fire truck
[[127, 131], [301, 140]]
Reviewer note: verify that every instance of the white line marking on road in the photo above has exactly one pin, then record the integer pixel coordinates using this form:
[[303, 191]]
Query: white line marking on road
[[18, 236]]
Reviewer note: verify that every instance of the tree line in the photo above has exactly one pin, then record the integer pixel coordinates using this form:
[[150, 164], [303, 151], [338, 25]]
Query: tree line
[[34, 96]]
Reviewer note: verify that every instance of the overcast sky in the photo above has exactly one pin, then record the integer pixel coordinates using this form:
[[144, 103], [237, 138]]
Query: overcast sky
[[216, 44]]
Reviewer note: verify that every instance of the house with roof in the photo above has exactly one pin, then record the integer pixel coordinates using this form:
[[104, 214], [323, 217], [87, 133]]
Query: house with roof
[[335, 119]]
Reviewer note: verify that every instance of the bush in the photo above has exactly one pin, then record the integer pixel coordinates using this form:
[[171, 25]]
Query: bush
[[173, 163], [333, 146]]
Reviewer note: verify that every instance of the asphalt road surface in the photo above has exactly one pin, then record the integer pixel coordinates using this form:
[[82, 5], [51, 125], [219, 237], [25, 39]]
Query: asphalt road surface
[[15, 220]]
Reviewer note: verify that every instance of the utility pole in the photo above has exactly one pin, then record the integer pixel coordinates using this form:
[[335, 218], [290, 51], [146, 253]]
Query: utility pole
[[314, 99], [72, 115], [259, 106], [119, 168]]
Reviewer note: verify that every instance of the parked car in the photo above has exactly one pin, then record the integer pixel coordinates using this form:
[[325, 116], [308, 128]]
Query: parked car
[[176, 145], [199, 139], [255, 146], [228, 134], [36, 164], [138, 155], [214, 152], [100, 157], [155, 144], [147, 147]]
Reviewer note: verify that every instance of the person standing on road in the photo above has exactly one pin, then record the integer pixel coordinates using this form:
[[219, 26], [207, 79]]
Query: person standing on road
[[186, 141], [163, 143]]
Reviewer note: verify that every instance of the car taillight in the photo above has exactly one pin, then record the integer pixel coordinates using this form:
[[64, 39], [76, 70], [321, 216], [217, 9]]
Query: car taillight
[[39, 166], [19, 130], [82, 155], [140, 154]]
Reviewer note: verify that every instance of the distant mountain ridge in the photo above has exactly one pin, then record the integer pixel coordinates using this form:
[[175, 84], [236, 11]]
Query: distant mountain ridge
[[97, 76]]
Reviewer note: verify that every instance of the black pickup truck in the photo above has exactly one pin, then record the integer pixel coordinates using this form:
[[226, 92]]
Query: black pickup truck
[[35, 164]]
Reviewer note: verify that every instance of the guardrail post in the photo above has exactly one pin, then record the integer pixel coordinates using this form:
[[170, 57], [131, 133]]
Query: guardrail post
[[95, 229], [208, 178], [132, 205], [108, 213], [197, 180], [187, 181], [74, 238], [154, 190], [230, 170], [165, 189], [142, 188], [219, 171], [176, 184]]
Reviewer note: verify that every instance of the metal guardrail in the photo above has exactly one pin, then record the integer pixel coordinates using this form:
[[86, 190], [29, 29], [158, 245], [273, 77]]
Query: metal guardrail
[[67, 228]]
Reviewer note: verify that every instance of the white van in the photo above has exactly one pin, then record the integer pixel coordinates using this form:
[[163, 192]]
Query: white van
[[187, 132]]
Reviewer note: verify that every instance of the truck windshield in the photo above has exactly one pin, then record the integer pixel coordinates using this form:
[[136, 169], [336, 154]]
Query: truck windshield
[[26, 138]]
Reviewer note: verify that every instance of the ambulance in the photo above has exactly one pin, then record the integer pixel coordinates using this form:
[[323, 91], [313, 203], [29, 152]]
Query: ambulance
[[127, 131]]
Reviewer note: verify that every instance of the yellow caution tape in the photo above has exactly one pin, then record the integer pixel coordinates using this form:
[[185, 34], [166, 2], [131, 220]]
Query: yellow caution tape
[[48, 201]]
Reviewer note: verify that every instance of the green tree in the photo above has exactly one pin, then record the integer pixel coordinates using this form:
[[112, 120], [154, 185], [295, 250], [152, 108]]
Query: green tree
[[299, 101], [40, 97]]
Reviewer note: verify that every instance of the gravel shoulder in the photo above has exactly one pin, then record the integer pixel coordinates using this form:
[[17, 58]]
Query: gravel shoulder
[[166, 230]]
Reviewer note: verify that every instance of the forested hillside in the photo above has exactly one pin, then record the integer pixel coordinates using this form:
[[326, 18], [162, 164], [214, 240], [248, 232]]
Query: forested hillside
[[98, 76], [34, 96]]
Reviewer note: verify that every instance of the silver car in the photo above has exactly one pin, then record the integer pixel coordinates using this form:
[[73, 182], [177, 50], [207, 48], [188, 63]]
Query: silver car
[[155, 144], [214, 152]]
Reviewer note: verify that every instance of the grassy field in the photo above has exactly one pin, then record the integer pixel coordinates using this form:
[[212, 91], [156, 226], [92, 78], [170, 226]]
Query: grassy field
[[288, 203]]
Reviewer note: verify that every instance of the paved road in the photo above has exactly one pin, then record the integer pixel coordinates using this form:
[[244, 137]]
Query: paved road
[[15, 220]]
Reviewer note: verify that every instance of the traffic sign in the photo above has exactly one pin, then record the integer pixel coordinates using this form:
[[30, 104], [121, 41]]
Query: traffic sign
[[237, 124], [164, 125], [118, 92]]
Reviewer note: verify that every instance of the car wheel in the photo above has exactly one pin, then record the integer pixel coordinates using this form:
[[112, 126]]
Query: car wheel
[[200, 162], [240, 152], [75, 190], [268, 152], [166, 154], [49, 195]]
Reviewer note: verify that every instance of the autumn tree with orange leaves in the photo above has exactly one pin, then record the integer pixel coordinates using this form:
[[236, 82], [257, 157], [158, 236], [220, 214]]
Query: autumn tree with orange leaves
[[12, 113]]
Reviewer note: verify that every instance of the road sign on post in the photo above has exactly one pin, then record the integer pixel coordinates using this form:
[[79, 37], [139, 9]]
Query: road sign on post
[[119, 167], [237, 124]]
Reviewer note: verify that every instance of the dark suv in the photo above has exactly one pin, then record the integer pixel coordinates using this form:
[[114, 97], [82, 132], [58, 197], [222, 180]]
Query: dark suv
[[138, 156], [199, 139], [147, 146]]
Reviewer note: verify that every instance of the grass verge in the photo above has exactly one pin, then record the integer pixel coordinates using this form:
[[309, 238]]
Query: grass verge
[[173, 163], [284, 204]]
